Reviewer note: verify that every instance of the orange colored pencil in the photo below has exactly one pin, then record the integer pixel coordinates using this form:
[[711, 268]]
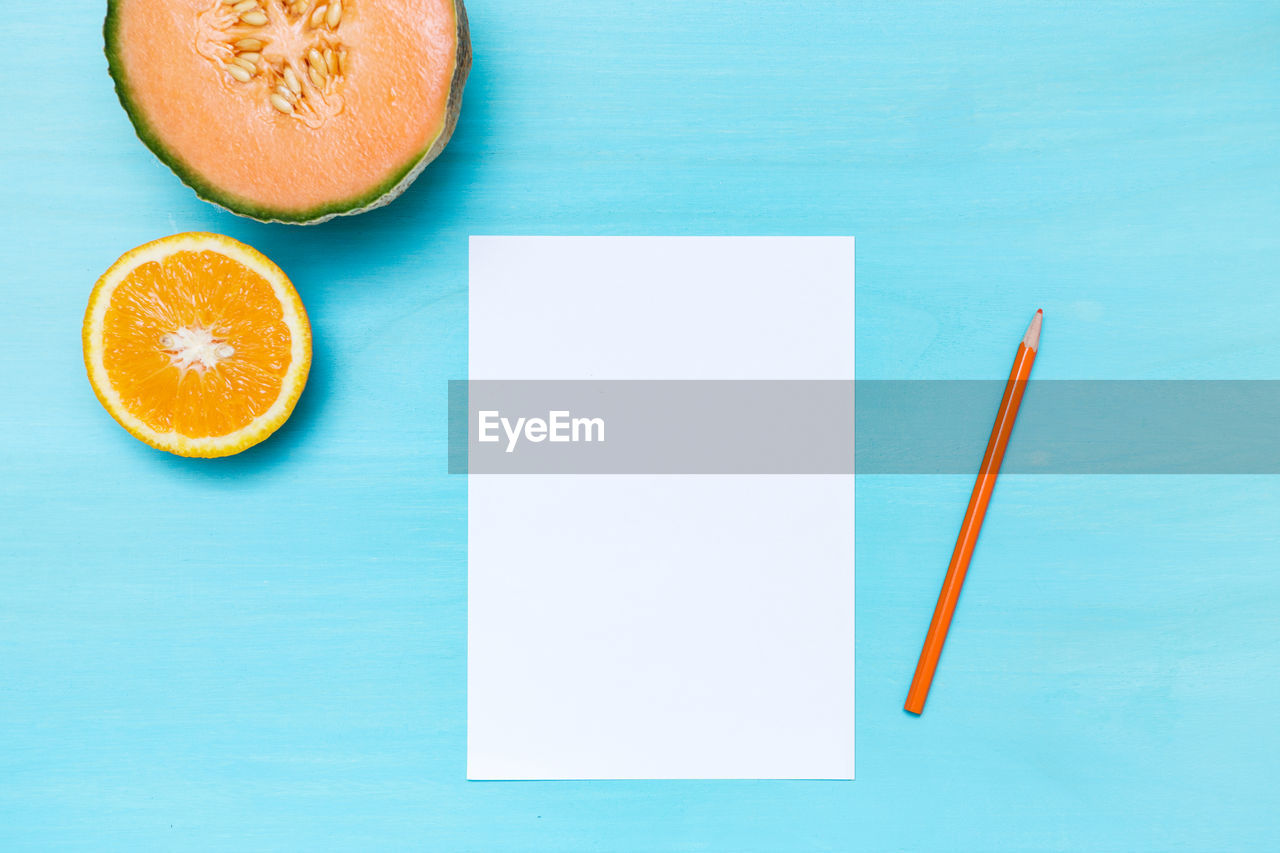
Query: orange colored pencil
[[973, 516]]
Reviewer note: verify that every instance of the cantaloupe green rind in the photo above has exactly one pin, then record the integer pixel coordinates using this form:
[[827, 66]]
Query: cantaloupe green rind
[[382, 194]]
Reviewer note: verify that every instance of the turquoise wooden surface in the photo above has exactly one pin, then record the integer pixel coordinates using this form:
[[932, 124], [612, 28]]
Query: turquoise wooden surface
[[268, 652]]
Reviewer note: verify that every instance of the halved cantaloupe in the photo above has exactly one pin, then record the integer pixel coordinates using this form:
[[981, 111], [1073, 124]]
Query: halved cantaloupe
[[291, 110]]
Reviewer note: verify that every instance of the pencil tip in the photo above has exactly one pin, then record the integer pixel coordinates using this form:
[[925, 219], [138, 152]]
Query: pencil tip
[[1032, 338]]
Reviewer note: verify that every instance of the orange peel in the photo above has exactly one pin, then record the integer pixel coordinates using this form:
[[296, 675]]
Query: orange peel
[[197, 344]]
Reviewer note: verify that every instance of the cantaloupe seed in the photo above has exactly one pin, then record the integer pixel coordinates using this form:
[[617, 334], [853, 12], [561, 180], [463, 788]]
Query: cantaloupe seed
[[320, 62]]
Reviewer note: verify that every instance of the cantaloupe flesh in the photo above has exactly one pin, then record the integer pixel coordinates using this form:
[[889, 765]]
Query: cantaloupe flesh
[[227, 137]]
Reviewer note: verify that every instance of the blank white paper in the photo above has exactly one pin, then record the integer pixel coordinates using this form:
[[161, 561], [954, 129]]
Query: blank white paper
[[638, 627]]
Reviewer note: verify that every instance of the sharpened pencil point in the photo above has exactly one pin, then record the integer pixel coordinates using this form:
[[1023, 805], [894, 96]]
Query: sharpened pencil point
[[1032, 338]]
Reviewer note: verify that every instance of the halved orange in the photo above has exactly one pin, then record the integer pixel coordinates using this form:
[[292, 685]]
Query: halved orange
[[197, 344]]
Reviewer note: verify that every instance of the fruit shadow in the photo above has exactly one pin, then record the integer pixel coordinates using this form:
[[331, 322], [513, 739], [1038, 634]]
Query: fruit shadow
[[429, 218], [280, 446]]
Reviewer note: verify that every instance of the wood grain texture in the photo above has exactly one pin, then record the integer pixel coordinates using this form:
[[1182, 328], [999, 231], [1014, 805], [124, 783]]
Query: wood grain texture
[[268, 651]]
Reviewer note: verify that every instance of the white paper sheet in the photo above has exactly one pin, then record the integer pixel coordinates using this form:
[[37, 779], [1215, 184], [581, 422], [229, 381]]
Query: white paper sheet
[[628, 627]]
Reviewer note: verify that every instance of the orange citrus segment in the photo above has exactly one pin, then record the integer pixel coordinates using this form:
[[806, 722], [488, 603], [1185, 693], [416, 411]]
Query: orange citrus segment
[[197, 344]]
